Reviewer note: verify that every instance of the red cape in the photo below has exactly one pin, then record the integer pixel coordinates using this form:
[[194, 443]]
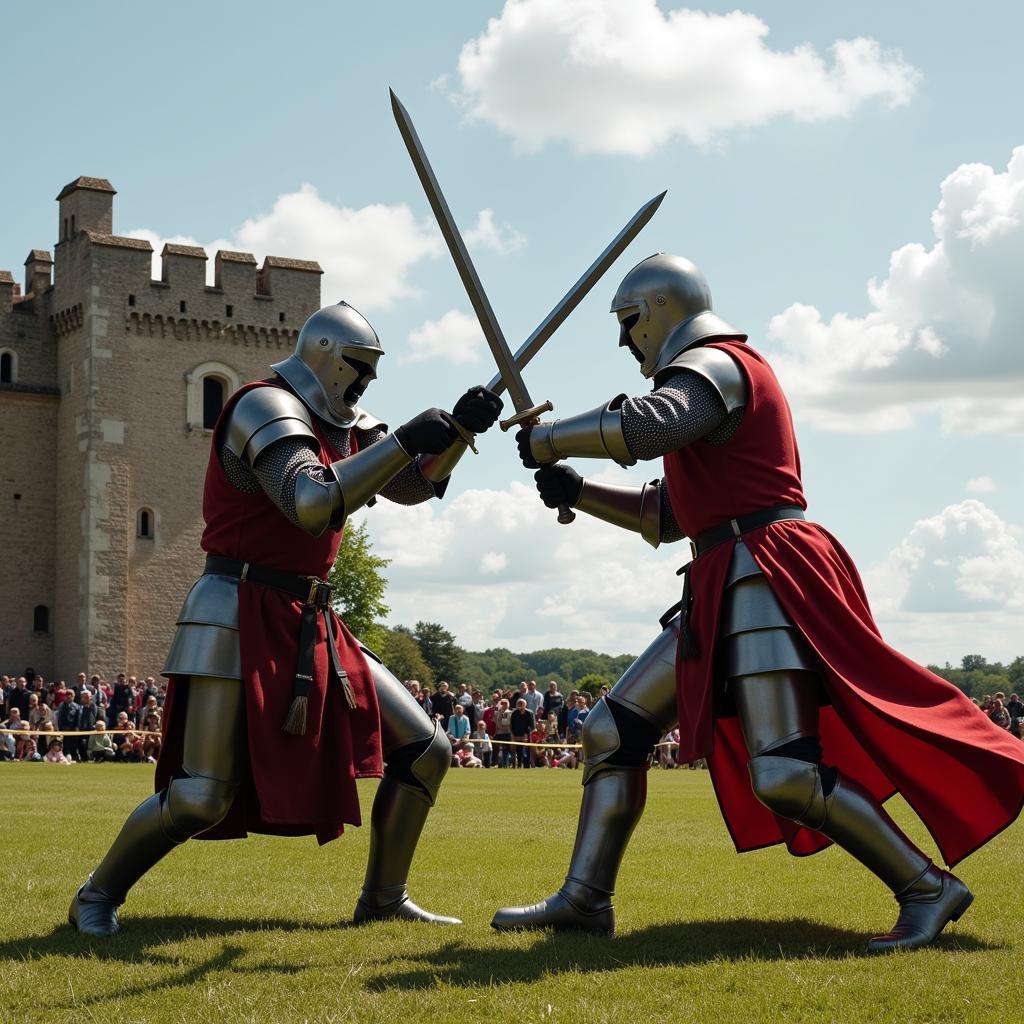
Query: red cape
[[892, 725]]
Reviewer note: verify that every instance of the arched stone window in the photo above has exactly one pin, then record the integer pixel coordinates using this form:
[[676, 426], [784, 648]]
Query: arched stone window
[[145, 524], [8, 366], [209, 385], [41, 619]]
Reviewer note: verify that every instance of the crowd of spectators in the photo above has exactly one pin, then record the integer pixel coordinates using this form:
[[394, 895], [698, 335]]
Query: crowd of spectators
[[1007, 714], [124, 716], [522, 728], [513, 728]]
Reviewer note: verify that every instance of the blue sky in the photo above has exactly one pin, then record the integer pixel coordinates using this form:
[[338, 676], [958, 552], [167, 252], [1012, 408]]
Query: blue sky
[[797, 163]]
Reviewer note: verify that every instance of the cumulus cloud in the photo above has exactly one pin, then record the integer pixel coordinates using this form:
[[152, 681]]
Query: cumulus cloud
[[502, 239], [366, 253], [981, 485], [495, 567], [955, 583], [456, 339], [626, 76], [944, 330]]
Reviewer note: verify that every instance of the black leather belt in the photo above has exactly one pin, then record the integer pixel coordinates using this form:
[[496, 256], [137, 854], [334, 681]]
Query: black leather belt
[[315, 595], [703, 542], [743, 524]]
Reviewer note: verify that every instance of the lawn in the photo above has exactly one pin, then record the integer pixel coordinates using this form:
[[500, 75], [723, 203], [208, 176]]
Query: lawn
[[257, 930]]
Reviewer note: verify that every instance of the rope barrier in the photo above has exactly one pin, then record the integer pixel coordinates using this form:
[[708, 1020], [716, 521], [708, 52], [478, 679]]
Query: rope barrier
[[57, 733]]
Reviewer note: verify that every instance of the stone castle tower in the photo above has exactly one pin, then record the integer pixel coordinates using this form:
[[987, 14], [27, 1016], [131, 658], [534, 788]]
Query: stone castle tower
[[110, 382]]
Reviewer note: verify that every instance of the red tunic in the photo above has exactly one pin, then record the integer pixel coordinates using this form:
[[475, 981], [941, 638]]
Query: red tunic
[[295, 785], [892, 725]]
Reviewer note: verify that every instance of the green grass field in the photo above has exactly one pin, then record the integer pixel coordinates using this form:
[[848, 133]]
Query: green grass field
[[256, 930]]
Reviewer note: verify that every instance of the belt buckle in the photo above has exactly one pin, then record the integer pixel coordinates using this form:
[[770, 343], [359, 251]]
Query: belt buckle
[[693, 549], [314, 591]]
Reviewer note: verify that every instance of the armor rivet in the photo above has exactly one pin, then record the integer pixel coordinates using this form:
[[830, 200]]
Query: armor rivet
[[660, 300], [324, 342]]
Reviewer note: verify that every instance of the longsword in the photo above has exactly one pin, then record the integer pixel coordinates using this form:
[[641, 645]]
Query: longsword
[[509, 367]]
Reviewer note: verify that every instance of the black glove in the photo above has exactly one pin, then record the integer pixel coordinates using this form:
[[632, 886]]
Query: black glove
[[523, 440], [477, 409], [430, 433], [558, 484]]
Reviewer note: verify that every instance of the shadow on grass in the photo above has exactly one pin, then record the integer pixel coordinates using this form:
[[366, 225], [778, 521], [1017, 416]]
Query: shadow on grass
[[140, 941], [669, 945]]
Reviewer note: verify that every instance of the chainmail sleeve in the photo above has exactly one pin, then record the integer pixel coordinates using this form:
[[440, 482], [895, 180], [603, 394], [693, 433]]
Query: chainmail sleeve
[[681, 410], [407, 487], [670, 531], [277, 467]]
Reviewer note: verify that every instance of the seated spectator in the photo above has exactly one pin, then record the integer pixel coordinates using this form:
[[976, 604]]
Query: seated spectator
[[482, 745], [540, 754], [9, 747], [467, 757], [25, 747], [38, 712], [55, 754], [100, 746], [564, 758]]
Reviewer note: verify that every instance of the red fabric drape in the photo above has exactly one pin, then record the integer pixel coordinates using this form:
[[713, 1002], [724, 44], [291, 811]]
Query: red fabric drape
[[892, 725]]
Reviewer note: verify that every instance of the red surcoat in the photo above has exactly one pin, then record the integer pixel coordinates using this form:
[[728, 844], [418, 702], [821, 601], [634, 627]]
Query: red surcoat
[[891, 724], [294, 785]]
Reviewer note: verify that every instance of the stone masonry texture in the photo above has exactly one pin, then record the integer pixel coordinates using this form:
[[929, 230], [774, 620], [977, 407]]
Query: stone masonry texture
[[103, 419]]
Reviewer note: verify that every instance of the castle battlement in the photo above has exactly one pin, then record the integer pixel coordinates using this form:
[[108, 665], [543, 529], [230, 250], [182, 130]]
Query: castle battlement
[[102, 366]]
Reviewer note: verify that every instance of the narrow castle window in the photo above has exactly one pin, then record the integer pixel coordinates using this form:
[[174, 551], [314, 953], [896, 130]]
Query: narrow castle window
[[7, 368], [72, 224], [131, 300], [146, 524], [213, 401], [181, 306], [65, 227], [280, 318], [229, 310], [41, 619]]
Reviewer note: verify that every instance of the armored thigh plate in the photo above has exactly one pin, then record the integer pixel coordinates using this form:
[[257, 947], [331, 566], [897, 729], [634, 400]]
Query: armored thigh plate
[[206, 640], [755, 635], [648, 686]]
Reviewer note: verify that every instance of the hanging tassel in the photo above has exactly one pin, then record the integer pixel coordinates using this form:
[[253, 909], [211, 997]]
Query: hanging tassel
[[346, 686], [298, 713]]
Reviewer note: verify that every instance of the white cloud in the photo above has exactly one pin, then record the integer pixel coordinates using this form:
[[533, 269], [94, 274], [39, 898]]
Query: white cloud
[[495, 567], [625, 76], [502, 239], [981, 485], [366, 253], [944, 330], [455, 339], [493, 562], [953, 585]]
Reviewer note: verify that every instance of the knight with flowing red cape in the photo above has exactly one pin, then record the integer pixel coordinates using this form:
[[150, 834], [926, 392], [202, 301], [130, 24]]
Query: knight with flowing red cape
[[771, 664]]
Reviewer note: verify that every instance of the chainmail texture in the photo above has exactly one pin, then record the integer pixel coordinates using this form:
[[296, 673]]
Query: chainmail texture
[[684, 408], [670, 532], [278, 466]]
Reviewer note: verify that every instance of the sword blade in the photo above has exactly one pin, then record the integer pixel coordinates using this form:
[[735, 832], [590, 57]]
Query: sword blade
[[507, 369], [575, 295]]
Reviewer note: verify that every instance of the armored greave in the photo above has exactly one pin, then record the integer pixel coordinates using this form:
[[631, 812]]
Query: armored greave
[[618, 739], [778, 714], [195, 800], [417, 755]]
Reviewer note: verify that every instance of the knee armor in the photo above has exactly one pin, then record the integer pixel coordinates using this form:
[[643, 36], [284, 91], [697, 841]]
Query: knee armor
[[422, 765], [790, 788], [616, 737], [193, 804]]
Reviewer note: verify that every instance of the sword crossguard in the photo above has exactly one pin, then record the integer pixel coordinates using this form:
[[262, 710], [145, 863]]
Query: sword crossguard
[[530, 416]]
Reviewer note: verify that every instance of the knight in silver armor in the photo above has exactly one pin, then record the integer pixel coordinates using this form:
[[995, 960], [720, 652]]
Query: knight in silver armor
[[762, 661], [269, 445]]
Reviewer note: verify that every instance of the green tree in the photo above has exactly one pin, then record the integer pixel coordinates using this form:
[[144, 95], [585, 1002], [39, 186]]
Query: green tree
[[973, 663], [359, 583], [592, 684], [439, 650], [402, 655]]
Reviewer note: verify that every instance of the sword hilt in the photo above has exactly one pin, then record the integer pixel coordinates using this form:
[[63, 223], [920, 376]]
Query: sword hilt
[[531, 417]]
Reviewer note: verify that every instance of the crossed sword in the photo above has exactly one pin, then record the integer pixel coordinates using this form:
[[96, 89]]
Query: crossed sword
[[509, 376]]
